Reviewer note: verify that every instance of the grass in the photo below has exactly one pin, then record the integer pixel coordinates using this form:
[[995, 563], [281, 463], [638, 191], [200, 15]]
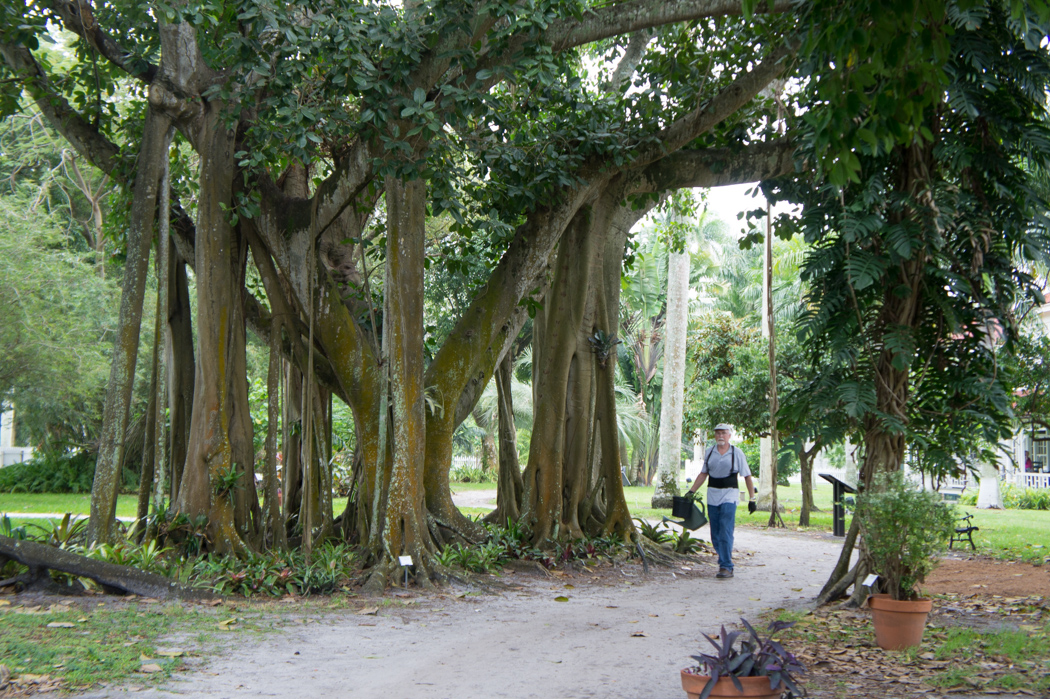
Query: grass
[[102, 645], [33, 503]]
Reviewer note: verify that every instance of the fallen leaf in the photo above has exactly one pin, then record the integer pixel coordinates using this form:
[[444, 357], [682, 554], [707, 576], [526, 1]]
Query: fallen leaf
[[368, 611], [145, 658], [569, 587], [151, 668], [639, 634], [561, 599], [61, 625], [171, 652]]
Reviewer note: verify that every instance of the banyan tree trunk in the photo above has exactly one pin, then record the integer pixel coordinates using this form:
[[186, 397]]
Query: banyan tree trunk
[[405, 530], [218, 480], [572, 483], [509, 483], [181, 370], [152, 154]]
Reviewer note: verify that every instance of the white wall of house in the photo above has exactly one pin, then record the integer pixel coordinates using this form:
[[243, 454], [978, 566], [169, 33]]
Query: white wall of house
[[9, 453]]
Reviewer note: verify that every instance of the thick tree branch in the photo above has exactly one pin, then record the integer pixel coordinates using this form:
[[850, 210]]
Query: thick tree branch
[[80, 134], [708, 115], [626, 17], [715, 167], [131, 580], [78, 18]]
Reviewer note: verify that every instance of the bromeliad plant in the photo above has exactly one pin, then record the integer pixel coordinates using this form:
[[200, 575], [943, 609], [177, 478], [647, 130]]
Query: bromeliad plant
[[756, 656]]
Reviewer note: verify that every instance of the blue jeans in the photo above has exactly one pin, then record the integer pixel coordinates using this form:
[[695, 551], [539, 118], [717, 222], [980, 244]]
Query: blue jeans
[[723, 519]]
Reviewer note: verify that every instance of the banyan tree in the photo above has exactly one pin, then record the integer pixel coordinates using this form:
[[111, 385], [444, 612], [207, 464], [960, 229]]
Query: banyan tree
[[304, 166]]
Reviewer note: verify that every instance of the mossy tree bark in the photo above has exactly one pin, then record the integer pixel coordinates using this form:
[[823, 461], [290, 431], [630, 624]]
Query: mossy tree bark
[[405, 530], [218, 478], [152, 154], [509, 482]]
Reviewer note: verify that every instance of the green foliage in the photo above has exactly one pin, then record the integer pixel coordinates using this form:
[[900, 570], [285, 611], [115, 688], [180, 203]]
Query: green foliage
[[471, 474], [904, 528], [226, 481], [10, 531], [684, 543], [1016, 498], [63, 532], [276, 574], [512, 542], [482, 558], [56, 314], [188, 534], [653, 532], [899, 279], [56, 473], [149, 556]]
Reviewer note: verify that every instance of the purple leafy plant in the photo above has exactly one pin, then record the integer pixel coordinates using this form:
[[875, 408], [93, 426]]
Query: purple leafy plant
[[756, 656]]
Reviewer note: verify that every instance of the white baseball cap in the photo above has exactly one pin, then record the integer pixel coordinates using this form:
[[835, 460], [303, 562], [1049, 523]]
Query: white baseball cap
[[724, 426]]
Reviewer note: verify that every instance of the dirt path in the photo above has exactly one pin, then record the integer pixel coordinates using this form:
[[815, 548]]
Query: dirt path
[[619, 634]]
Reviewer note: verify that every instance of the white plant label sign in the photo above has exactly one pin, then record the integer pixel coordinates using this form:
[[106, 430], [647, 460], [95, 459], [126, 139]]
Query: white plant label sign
[[404, 560], [870, 580]]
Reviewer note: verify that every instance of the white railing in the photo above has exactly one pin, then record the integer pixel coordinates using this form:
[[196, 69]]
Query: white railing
[[465, 461], [953, 484], [1033, 480], [15, 455]]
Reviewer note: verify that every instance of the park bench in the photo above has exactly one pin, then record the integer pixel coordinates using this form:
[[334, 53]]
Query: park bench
[[964, 531]]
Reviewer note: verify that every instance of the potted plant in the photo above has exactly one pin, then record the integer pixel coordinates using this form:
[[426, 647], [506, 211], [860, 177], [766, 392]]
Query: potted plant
[[903, 527], [761, 668]]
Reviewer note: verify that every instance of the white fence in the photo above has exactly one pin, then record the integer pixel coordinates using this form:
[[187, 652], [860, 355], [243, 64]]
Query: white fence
[[1033, 480], [15, 455], [459, 462]]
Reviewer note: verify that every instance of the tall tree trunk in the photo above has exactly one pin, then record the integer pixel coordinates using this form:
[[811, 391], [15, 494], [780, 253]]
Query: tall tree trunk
[[544, 476], [152, 155], [805, 467], [509, 483], [218, 480], [673, 395], [884, 441], [291, 445], [405, 530], [181, 370]]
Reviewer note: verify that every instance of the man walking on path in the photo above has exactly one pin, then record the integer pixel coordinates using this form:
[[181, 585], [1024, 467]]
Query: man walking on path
[[724, 463]]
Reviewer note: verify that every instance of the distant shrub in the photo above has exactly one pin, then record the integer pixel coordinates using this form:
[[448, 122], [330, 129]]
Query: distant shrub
[[51, 473], [1015, 498], [471, 474]]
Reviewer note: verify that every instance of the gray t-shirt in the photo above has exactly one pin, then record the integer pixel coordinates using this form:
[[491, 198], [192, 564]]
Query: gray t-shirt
[[720, 466]]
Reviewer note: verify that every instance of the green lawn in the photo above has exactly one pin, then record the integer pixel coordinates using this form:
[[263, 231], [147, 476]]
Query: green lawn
[[60, 503]]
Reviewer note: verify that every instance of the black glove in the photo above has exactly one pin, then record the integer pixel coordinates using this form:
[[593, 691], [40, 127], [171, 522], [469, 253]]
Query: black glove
[[691, 494], [751, 507]]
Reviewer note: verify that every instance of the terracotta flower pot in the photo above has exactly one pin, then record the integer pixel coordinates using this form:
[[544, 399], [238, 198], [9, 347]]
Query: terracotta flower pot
[[754, 687], [898, 624]]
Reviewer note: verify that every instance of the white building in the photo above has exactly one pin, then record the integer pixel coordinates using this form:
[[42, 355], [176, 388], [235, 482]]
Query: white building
[[8, 451]]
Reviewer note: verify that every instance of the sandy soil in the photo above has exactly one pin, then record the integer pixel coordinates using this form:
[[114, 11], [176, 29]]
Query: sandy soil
[[621, 633], [984, 576]]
